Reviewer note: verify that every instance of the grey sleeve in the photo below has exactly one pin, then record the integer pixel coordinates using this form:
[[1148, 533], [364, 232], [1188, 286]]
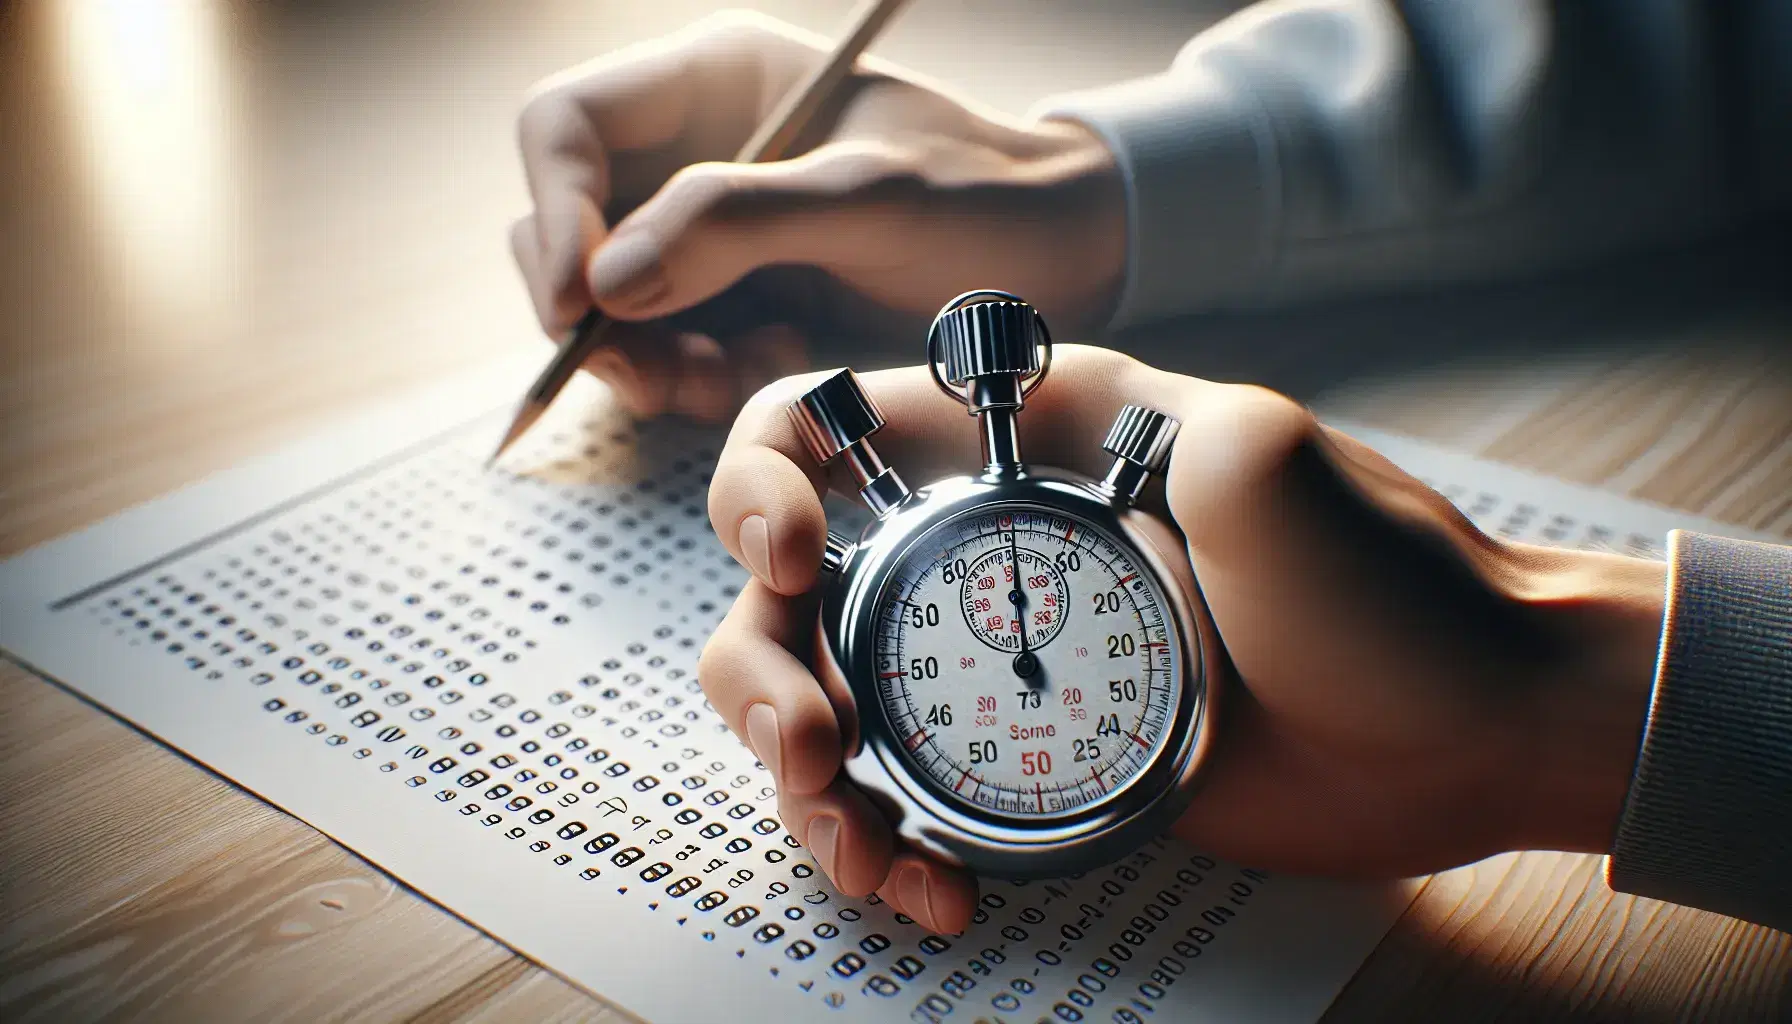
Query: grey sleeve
[[1708, 821], [1309, 147]]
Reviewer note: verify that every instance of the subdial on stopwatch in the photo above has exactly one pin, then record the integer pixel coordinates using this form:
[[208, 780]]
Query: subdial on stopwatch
[[998, 606]]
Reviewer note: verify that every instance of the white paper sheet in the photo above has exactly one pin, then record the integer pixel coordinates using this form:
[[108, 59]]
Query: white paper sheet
[[485, 684]]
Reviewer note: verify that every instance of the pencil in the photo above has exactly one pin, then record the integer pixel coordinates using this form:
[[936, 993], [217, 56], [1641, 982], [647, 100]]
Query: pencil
[[769, 142]]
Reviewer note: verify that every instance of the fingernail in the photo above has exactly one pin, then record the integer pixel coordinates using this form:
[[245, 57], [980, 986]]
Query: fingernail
[[762, 731], [609, 366], [624, 381], [624, 263], [756, 547], [913, 890], [823, 842]]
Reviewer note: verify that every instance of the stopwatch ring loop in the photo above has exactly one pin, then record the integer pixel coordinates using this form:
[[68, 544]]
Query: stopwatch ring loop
[[934, 361]]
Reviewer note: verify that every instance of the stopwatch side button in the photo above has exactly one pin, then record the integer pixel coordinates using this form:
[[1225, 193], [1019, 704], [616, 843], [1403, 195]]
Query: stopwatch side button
[[834, 554], [835, 419], [883, 492], [834, 414], [1140, 442]]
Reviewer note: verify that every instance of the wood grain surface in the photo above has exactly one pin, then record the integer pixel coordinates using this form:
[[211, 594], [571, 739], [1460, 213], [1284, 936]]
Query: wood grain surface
[[290, 209]]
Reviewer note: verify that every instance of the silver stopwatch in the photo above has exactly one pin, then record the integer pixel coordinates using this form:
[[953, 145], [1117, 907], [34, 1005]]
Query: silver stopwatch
[[1025, 681]]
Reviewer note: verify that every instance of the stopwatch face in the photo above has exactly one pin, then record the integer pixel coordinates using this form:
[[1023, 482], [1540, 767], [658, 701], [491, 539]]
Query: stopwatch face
[[1028, 663]]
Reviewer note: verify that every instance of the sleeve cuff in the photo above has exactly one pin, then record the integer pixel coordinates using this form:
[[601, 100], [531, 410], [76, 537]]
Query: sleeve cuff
[[1708, 820], [1201, 187]]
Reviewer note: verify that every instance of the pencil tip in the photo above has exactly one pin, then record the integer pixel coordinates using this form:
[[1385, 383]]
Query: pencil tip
[[520, 424]]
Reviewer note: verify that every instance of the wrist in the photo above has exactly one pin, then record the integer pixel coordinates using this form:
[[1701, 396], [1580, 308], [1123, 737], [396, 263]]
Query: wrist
[[1583, 724], [1089, 189], [1197, 159]]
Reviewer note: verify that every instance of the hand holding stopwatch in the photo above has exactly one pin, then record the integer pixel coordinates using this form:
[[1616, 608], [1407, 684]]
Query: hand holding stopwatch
[[1030, 680]]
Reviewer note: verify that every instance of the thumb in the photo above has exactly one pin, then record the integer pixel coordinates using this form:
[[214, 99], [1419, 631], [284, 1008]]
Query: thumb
[[1276, 521], [1268, 498], [1237, 475], [711, 224], [1295, 530]]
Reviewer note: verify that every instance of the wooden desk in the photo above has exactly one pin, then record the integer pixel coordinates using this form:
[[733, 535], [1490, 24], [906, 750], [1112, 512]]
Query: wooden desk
[[310, 212]]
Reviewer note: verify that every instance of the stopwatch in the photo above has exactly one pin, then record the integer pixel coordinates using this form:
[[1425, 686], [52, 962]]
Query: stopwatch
[[1024, 674]]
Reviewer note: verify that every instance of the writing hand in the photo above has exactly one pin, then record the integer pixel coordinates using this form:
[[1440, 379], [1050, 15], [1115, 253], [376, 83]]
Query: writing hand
[[723, 274]]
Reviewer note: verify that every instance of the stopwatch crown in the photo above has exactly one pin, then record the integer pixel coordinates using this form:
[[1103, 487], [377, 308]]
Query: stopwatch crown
[[989, 350], [989, 337], [1140, 442]]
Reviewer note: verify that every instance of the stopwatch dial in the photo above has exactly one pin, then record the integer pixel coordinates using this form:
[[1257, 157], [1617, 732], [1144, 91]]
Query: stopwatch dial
[[1056, 706], [1010, 590]]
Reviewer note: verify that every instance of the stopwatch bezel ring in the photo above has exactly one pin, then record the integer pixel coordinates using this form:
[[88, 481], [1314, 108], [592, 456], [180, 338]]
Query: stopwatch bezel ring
[[924, 815]]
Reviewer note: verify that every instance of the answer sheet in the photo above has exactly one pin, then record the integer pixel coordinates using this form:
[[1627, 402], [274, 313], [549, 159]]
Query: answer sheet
[[484, 682]]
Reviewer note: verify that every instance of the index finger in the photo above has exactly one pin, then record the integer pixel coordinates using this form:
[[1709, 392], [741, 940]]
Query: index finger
[[765, 495], [662, 103], [567, 131]]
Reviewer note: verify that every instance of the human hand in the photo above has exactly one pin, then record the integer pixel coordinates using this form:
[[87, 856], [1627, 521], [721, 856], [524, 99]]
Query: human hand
[[1411, 693], [721, 274]]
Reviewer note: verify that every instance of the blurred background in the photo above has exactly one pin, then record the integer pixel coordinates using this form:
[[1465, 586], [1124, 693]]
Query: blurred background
[[221, 218], [224, 223], [224, 220]]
